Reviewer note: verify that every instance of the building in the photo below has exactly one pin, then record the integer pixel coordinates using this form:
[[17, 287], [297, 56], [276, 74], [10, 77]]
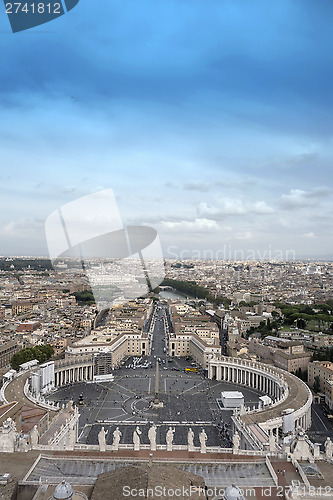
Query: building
[[103, 362], [119, 346], [318, 373], [329, 393], [28, 326], [288, 355], [7, 351], [292, 362], [21, 307], [2, 312], [193, 334]]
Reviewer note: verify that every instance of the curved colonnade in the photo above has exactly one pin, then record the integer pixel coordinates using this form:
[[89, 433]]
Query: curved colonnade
[[287, 391], [68, 371]]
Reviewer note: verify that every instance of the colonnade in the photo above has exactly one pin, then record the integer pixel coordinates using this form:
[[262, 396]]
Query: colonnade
[[72, 373], [270, 381], [304, 421], [247, 376]]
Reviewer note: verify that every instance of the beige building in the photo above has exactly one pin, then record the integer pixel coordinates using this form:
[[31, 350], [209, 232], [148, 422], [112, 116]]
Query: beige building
[[7, 351], [288, 356], [190, 344], [195, 334], [329, 393], [21, 306], [125, 344], [291, 362], [321, 369]]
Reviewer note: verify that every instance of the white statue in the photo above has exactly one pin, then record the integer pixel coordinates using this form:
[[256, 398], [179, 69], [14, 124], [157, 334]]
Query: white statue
[[136, 438], [169, 438], [8, 436], [328, 448], [203, 440], [71, 437], [190, 440], [152, 437], [22, 443], [34, 436], [316, 451], [116, 439], [235, 442], [271, 442], [101, 439]]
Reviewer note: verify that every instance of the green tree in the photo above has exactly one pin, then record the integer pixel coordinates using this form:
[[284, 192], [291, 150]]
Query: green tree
[[41, 352], [316, 384]]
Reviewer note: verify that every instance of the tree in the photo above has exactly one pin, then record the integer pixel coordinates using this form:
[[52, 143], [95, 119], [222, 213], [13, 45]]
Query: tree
[[316, 384], [41, 352], [302, 374]]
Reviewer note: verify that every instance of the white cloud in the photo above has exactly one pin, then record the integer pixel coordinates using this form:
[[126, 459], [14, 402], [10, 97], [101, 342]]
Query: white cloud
[[243, 235], [228, 206], [197, 225], [234, 206], [298, 198], [309, 235], [23, 227], [261, 207]]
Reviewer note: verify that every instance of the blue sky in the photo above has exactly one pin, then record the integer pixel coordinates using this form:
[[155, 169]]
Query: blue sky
[[210, 119]]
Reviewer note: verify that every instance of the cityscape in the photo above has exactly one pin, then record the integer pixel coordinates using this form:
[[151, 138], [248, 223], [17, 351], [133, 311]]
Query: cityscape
[[225, 371]]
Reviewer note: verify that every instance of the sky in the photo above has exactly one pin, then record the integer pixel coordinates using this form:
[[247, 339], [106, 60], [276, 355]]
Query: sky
[[211, 121]]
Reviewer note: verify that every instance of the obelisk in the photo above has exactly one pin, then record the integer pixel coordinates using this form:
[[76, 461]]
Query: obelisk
[[157, 403]]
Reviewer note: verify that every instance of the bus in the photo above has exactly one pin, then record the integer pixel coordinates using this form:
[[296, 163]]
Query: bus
[[191, 369]]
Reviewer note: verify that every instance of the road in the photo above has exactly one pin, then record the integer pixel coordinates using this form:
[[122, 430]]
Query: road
[[321, 426]]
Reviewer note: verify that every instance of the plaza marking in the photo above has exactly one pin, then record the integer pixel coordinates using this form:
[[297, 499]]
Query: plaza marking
[[186, 390], [117, 416], [94, 408], [320, 419], [129, 390]]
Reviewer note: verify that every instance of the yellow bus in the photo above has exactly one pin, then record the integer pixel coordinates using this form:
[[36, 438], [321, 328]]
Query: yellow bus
[[190, 369]]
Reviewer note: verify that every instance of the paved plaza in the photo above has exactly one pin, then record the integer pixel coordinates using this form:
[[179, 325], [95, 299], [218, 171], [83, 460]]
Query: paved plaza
[[189, 399]]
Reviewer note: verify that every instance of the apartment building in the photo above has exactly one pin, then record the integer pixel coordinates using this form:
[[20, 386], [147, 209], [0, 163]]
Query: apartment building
[[290, 356], [321, 369], [21, 307], [328, 391], [125, 344], [7, 351], [2, 312], [28, 326]]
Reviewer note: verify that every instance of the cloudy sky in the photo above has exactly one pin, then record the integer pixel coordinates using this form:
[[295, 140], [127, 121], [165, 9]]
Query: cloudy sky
[[211, 120]]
